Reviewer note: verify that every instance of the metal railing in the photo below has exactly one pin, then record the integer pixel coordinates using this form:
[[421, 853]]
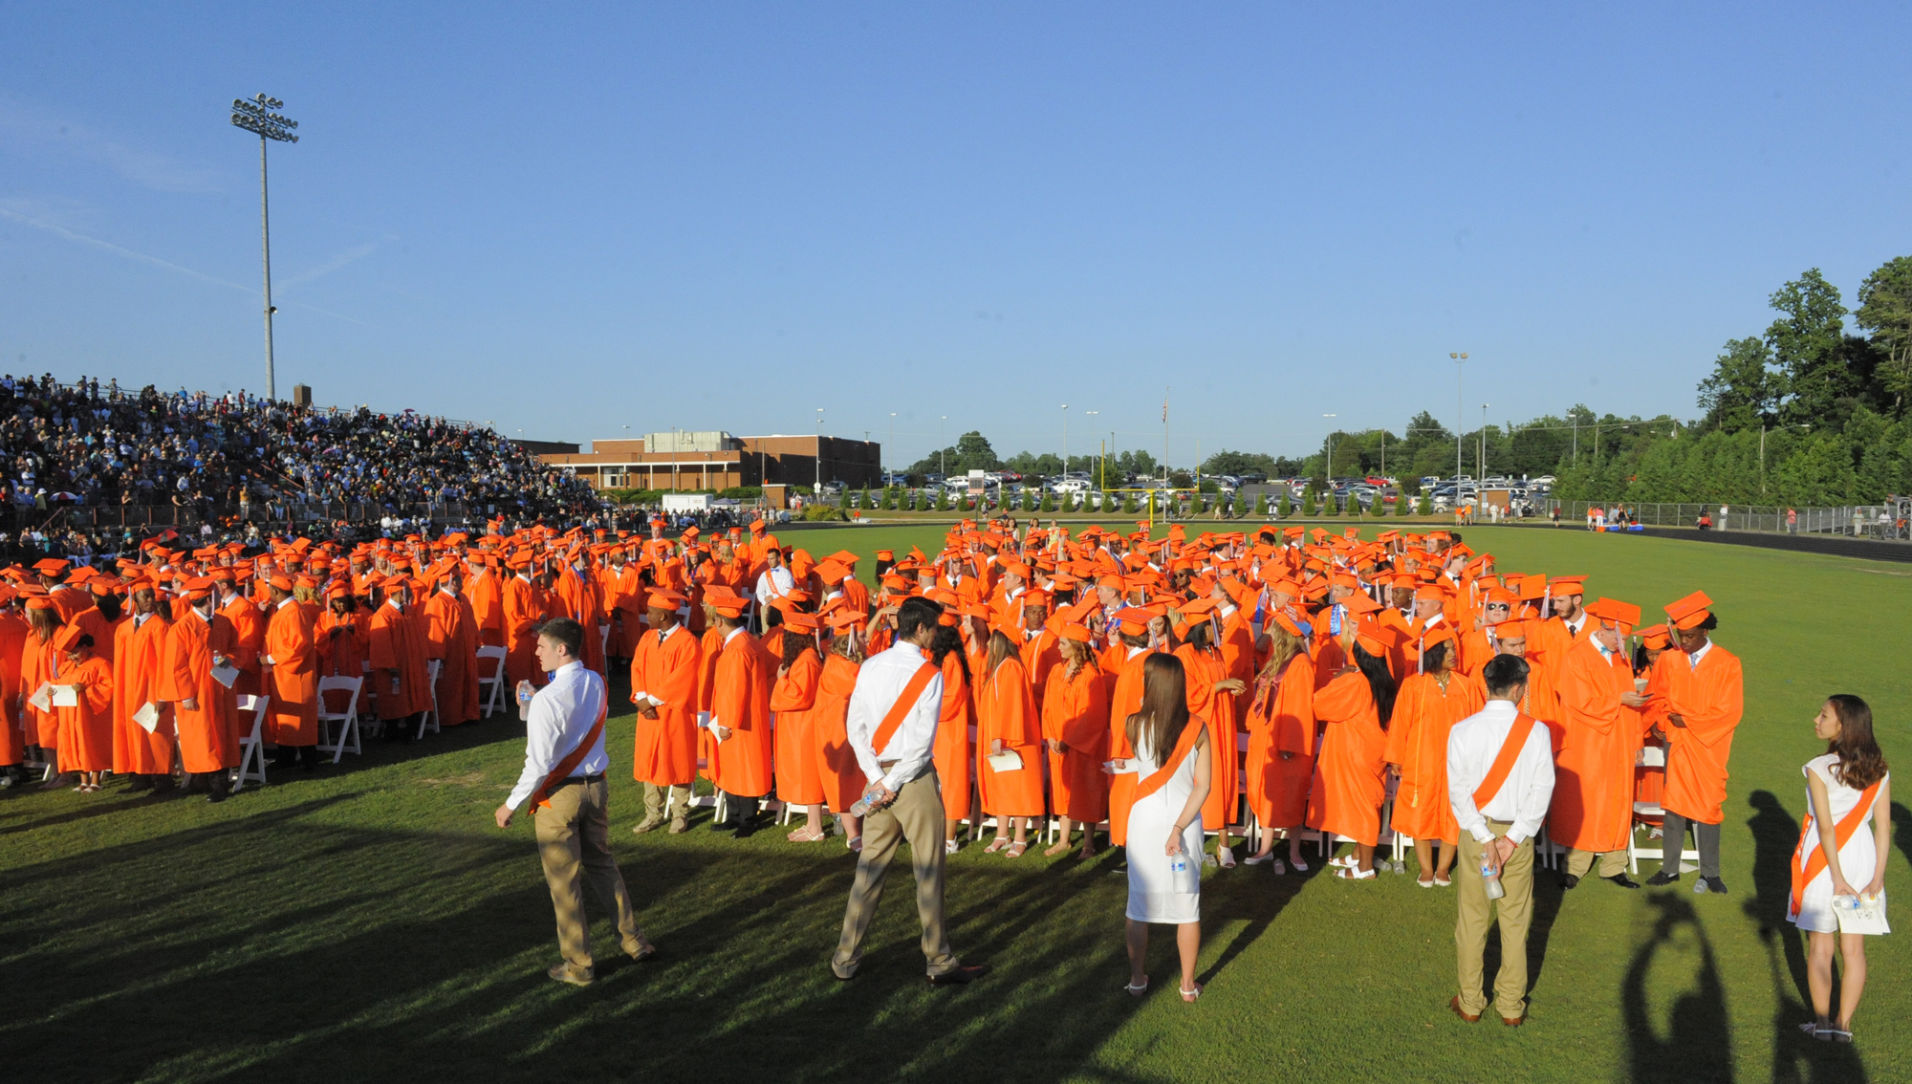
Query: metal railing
[[1888, 520]]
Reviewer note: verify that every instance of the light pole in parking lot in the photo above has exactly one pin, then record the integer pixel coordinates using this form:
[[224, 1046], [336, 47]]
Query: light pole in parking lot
[[1098, 460], [817, 486], [1327, 450], [1065, 440], [1480, 486]]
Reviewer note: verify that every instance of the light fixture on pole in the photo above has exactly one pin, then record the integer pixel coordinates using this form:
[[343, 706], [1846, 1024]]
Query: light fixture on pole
[[259, 116], [1065, 440], [1483, 443], [817, 486], [1098, 458]]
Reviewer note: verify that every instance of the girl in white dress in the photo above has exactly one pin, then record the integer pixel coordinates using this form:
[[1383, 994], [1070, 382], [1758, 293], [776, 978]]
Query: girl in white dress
[[1836, 784], [1165, 823]]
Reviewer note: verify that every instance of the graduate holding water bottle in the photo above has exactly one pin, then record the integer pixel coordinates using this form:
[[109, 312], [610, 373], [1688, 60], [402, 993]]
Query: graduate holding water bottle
[[1500, 780]]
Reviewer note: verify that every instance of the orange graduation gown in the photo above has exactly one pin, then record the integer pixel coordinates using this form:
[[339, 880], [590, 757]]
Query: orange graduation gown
[[666, 667], [139, 649], [292, 718], [451, 636], [1281, 745], [396, 647], [1417, 744], [793, 698], [740, 701], [13, 738], [1600, 742], [837, 770], [1075, 712], [1006, 712], [1709, 699], [1202, 670], [1349, 782], [86, 728], [209, 732], [1125, 699], [950, 753]]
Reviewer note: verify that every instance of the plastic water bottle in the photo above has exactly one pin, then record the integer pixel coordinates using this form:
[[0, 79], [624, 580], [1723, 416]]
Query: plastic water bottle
[[525, 692], [861, 807], [1490, 878]]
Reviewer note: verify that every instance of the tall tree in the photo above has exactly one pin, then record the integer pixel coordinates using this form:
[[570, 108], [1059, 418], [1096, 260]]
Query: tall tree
[[1885, 310], [1808, 342], [1743, 391]]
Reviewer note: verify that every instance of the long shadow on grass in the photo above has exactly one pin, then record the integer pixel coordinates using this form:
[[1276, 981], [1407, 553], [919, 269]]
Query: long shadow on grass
[[1698, 1042], [285, 949]]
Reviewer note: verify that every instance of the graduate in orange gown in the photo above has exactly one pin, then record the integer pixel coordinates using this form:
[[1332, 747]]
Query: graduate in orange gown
[[625, 603], [1705, 698], [665, 671], [793, 697], [486, 593], [1427, 706], [1211, 696], [341, 645], [38, 665], [1039, 645], [1281, 743], [955, 728], [13, 736], [1592, 810], [1075, 730], [451, 637], [522, 611], [205, 712], [1125, 699], [291, 660], [1007, 722], [837, 769], [576, 594], [138, 651], [743, 752], [86, 726], [1649, 783], [248, 629], [395, 646], [1355, 706]]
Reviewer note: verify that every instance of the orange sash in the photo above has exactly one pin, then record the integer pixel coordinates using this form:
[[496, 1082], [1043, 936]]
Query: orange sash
[[563, 771], [904, 702], [1184, 745], [1503, 765], [1815, 863]]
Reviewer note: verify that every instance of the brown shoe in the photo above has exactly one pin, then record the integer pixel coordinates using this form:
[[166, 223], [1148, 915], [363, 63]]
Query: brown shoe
[[646, 825], [1455, 1004], [563, 973], [679, 826], [646, 951], [1513, 1021], [961, 975]]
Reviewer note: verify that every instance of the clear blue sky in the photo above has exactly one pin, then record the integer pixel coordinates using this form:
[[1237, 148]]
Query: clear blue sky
[[574, 218]]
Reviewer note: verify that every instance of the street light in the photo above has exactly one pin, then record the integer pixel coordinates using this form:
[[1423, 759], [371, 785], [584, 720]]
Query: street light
[[1098, 459], [1483, 444], [886, 473], [259, 117], [1065, 440], [817, 485], [1460, 418], [1327, 450], [942, 461]]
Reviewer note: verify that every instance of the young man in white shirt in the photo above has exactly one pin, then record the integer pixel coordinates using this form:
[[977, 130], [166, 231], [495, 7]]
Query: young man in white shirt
[[1500, 779]]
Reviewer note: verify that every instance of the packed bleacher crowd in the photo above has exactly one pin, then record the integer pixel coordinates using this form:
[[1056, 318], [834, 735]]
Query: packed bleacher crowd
[[88, 444]]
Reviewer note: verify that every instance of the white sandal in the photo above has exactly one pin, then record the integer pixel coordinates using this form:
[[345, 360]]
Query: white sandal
[[1137, 991], [1226, 856], [1349, 873], [1190, 995]]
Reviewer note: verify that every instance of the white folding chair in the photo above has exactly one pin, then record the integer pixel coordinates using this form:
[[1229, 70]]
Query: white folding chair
[[252, 755], [1651, 815], [604, 641], [347, 720], [491, 688], [429, 721]]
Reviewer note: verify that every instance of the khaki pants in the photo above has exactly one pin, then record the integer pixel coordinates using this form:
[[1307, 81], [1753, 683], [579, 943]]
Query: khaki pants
[[1612, 863], [654, 802], [916, 816], [1477, 913], [575, 846]]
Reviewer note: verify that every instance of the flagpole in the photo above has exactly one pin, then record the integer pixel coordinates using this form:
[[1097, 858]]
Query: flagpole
[[1165, 392]]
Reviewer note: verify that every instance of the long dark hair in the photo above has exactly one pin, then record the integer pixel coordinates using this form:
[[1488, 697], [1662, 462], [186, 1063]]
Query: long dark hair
[[795, 644], [948, 641], [1861, 764], [1164, 711], [1380, 683]]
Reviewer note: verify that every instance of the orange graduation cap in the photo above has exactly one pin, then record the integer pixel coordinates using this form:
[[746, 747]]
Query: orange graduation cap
[[1689, 612], [1620, 613], [1655, 637], [725, 601]]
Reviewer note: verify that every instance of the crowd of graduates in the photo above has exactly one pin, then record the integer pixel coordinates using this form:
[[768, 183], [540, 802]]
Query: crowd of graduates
[[1329, 669]]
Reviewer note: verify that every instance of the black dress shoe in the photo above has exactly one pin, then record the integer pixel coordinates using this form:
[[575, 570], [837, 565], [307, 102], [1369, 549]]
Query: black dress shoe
[[1661, 878], [961, 975], [1712, 884], [1622, 880], [1569, 881]]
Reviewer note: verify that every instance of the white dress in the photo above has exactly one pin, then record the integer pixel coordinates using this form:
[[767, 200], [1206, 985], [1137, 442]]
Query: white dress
[[1858, 860], [1154, 895]]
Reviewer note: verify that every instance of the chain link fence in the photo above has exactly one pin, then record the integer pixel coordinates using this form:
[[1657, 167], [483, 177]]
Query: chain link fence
[[1887, 520]]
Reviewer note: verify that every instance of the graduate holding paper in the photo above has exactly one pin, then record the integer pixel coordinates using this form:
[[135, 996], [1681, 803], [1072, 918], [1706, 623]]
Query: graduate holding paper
[[83, 698], [142, 721], [1008, 747]]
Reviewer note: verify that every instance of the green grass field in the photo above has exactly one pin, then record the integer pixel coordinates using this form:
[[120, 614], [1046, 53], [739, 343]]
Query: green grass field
[[370, 922]]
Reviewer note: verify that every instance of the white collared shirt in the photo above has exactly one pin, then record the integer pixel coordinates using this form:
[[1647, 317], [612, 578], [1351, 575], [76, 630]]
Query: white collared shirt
[[562, 713], [1472, 746], [774, 583], [878, 685], [1693, 659]]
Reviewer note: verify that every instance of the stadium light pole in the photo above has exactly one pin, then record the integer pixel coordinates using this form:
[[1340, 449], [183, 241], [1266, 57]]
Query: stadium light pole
[[887, 471], [1098, 459], [1327, 451], [1065, 440], [259, 116], [1483, 443], [942, 463], [817, 486], [1460, 419]]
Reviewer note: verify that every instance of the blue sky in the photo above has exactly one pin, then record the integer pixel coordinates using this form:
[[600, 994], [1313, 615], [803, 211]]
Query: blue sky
[[572, 218]]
